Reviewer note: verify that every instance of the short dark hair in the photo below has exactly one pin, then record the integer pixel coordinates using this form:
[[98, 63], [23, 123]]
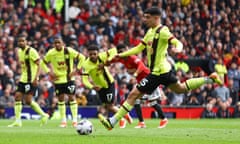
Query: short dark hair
[[121, 46], [22, 36], [92, 47], [153, 11], [57, 37]]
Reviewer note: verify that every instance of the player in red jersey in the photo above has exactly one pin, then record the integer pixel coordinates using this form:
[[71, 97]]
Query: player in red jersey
[[137, 68]]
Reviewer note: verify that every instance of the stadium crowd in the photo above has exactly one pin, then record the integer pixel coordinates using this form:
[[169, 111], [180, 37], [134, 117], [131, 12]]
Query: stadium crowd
[[208, 29]]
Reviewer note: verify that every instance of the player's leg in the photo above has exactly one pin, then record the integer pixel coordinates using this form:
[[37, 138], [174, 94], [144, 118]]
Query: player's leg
[[108, 98], [154, 103], [35, 106], [194, 83], [62, 110], [126, 107], [146, 85], [17, 110], [74, 111], [158, 108], [73, 103], [61, 90], [164, 121], [138, 110], [112, 108]]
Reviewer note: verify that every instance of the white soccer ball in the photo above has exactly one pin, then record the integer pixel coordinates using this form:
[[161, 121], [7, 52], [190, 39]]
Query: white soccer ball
[[84, 127]]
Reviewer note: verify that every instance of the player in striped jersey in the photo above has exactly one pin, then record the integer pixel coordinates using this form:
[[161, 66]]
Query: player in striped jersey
[[58, 62], [101, 79], [156, 42], [137, 68], [29, 61]]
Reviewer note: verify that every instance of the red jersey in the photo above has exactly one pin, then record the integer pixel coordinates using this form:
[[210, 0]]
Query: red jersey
[[133, 64]]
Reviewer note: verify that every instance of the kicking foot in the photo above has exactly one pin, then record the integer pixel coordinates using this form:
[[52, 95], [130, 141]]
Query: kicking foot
[[105, 122]]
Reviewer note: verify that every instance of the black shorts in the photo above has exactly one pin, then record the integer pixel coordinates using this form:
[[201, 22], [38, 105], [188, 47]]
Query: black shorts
[[26, 88], [151, 82], [107, 95], [65, 88]]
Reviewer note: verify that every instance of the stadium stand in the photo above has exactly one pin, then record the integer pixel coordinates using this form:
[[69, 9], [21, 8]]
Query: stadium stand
[[209, 31]]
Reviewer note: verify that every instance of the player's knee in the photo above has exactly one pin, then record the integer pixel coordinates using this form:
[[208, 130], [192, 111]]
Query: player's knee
[[18, 96], [71, 98], [61, 98], [28, 102]]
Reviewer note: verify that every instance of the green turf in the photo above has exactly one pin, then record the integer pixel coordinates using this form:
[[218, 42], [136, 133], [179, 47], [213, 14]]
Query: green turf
[[216, 131]]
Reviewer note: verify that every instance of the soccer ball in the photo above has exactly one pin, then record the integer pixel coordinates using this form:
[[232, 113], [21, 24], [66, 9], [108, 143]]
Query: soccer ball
[[84, 127]]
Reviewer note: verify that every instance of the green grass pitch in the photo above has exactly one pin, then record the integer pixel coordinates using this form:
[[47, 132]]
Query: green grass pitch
[[197, 131]]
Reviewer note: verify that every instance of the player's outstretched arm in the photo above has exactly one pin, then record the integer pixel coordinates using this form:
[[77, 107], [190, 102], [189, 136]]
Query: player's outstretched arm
[[135, 50]]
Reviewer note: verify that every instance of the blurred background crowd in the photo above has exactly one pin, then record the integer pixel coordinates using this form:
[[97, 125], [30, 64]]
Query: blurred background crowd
[[208, 29]]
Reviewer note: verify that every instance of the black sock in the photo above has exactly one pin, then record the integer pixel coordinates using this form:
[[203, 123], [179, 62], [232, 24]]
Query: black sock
[[159, 111], [138, 112]]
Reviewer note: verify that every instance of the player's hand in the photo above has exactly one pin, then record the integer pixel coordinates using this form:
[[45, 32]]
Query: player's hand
[[172, 51], [101, 66], [97, 88], [107, 63], [52, 76], [116, 57], [35, 81], [71, 74]]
